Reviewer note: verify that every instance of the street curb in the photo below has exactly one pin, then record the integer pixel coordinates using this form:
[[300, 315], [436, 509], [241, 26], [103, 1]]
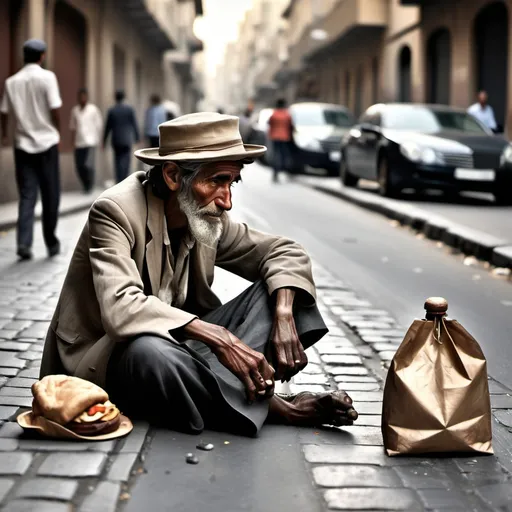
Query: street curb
[[6, 225], [469, 241]]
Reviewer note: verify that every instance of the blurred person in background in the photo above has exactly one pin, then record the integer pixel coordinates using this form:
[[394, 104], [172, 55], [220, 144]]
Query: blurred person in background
[[483, 111], [280, 134], [86, 124], [32, 96], [121, 121], [245, 126], [155, 116]]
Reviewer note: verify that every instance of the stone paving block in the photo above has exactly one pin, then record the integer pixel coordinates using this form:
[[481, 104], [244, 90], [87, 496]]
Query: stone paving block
[[356, 378], [365, 396], [8, 445], [337, 331], [377, 339], [387, 355], [501, 402], [348, 475], [22, 382], [504, 416], [498, 496], [7, 334], [7, 314], [134, 442], [10, 360], [122, 467], [48, 488], [31, 373], [313, 369], [37, 347], [18, 325], [356, 386], [372, 498], [103, 498], [373, 324], [348, 370], [313, 388], [9, 372], [341, 360], [304, 378], [73, 464], [423, 477], [346, 454], [20, 401], [41, 444], [35, 315], [335, 350], [11, 430], [14, 345], [312, 355], [8, 391], [495, 388], [368, 407], [7, 412], [5, 486], [482, 470], [3, 380], [30, 355], [37, 506], [14, 463], [346, 435], [102, 446], [387, 333], [385, 347], [444, 499]]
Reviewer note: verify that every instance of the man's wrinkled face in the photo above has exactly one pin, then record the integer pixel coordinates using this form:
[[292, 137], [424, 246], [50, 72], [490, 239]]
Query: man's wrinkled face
[[208, 198]]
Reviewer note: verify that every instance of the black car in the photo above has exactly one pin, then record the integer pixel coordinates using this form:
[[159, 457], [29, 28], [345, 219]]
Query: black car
[[426, 147]]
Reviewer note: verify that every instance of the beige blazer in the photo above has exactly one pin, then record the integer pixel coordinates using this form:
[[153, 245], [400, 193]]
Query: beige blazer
[[106, 300]]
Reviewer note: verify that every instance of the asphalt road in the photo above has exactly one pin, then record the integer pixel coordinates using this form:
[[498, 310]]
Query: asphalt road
[[384, 264]]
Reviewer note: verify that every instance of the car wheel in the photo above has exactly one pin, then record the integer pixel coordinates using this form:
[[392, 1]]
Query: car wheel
[[347, 178], [503, 196], [387, 187]]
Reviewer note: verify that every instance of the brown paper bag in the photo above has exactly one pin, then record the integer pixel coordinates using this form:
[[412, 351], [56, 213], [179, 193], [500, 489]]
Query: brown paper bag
[[436, 397]]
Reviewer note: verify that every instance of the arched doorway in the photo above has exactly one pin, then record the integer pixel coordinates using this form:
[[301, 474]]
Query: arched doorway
[[69, 43], [491, 48], [404, 75], [439, 59]]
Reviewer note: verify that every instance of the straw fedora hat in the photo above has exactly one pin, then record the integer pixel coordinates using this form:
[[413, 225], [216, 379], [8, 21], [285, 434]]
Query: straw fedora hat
[[204, 137], [58, 399]]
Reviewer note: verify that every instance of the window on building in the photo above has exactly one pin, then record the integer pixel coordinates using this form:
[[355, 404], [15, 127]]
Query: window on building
[[439, 67]]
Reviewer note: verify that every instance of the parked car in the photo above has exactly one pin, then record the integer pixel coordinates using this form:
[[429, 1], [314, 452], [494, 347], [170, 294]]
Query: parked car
[[319, 128], [426, 146], [259, 131]]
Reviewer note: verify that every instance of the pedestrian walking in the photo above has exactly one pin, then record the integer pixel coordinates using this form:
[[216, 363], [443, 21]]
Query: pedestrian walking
[[245, 126], [122, 123], [85, 124], [32, 96], [280, 134], [155, 116], [483, 111]]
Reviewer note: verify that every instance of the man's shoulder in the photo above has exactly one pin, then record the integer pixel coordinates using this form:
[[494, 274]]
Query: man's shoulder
[[473, 107]]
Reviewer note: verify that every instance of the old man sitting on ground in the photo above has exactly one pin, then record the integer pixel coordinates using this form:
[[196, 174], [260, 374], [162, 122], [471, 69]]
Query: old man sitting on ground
[[137, 315]]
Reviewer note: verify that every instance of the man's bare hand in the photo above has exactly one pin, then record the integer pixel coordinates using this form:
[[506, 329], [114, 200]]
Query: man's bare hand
[[249, 366], [288, 350]]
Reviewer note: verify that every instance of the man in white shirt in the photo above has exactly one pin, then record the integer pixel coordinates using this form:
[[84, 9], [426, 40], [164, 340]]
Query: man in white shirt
[[483, 111], [32, 97], [86, 125]]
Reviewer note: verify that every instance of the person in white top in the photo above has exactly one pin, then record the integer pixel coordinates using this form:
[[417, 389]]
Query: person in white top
[[483, 111], [86, 125], [32, 97]]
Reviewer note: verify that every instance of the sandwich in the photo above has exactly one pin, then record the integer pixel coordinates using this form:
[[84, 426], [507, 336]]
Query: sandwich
[[102, 418]]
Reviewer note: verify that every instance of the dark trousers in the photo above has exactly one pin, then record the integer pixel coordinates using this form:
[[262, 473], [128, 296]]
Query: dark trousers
[[281, 156], [84, 162], [184, 387], [38, 171], [154, 142], [122, 158]]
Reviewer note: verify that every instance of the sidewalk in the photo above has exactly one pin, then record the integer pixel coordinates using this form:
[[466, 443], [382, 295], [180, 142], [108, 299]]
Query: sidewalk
[[347, 466], [452, 227]]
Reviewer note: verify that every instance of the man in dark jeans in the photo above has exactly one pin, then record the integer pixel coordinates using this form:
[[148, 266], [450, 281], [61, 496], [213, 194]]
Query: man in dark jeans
[[32, 97], [122, 123]]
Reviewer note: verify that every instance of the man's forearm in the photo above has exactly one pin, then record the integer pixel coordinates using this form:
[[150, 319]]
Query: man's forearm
[[284, 302], [211, 335]]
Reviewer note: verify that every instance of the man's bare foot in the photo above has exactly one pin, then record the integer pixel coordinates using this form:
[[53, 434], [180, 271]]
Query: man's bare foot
[[313, 409]]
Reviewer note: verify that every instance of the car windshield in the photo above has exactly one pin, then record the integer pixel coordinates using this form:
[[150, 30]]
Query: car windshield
[[322, 117], [426, 120]]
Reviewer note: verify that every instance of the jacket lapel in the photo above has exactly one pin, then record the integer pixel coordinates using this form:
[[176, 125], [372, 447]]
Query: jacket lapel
[[154, 246]]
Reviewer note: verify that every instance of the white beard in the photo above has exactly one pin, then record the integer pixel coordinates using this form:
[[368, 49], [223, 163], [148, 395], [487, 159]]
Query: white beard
[[205, 229]]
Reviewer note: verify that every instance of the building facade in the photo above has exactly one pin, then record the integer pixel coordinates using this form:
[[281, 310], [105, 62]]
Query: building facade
[[104, 45]]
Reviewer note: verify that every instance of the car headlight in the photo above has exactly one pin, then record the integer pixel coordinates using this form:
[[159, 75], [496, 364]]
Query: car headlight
[[308, 143], [506, 156], [415, 153]]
